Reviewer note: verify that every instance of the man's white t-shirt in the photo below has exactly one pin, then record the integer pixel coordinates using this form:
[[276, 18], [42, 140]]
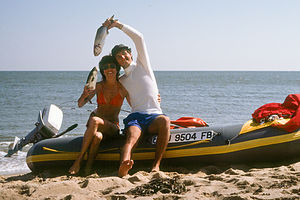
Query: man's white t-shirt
[[139, 79]]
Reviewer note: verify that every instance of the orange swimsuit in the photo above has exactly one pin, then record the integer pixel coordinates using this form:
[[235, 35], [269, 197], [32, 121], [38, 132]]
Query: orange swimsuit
[[115, 101]]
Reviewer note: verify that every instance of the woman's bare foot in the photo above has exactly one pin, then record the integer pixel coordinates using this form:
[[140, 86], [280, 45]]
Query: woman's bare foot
[[125, 167], [155, 169], [88, 170], [75, 167]]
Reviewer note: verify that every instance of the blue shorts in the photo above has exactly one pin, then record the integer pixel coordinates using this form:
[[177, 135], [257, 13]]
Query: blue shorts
[[140, 120]]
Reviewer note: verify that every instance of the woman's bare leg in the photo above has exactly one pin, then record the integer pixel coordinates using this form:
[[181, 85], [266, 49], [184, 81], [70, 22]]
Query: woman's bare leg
[[87, 139], [93, 152]]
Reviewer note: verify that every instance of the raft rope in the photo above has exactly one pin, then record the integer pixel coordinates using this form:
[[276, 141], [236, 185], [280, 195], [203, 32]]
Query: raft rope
[[230, 140], [88, 110]]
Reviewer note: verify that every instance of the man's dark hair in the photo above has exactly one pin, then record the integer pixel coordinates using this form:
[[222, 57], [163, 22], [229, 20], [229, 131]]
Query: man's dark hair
[[119, 48]]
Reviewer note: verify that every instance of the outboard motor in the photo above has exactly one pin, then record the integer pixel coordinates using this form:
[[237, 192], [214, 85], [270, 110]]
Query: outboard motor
[[47, 126]]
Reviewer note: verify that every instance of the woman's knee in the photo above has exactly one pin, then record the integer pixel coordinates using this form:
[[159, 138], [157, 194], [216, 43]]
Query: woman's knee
[[98, 136], [96, 121]]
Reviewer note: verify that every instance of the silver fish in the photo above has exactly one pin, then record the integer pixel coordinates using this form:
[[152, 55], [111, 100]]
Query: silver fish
[[101, 34], [92, 79], [99, 40]]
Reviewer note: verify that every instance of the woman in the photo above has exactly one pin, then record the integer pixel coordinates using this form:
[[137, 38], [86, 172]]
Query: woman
[[104, 121]]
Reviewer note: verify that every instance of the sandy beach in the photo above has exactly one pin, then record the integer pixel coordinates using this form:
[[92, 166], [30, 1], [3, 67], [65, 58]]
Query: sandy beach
[[261, 181]]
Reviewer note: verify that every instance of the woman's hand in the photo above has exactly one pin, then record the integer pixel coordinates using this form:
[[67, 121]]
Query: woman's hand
[[158, 98], [86, 96], [87, 91]]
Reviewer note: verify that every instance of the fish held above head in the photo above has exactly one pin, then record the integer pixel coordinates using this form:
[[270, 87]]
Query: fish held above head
[[100, 40], [101, 34]]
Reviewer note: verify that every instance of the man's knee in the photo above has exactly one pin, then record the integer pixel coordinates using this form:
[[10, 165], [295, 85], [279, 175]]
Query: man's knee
[[163, 120], [132, 134], [160, 124]]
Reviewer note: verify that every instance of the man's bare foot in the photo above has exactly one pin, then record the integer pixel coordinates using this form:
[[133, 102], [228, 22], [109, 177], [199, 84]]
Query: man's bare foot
[[75, 167], [125, 167]]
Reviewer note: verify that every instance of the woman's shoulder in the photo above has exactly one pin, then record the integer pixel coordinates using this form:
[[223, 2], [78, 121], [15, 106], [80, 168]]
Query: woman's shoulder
[[99, 85], [100, 82], [121, 86]]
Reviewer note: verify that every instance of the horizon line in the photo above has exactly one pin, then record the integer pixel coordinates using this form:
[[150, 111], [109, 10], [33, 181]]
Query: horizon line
[[159, 70]]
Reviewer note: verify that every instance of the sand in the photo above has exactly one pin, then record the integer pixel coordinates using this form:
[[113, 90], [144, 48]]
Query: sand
[[208, 182]]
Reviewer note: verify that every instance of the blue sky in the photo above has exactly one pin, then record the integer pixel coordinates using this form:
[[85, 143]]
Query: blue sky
[[180, 35]]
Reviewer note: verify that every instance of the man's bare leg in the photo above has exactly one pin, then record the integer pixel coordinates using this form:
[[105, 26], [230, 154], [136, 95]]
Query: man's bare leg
[[125, 167], [161, 126], [132, 135]]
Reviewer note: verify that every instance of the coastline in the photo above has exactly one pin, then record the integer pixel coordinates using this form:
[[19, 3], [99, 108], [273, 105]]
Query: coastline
[[263, 181]]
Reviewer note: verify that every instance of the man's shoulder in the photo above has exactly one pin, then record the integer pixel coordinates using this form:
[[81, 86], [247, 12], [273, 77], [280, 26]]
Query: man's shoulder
[[122, 78]]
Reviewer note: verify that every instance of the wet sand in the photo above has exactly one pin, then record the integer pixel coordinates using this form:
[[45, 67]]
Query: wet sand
[[263, 181]]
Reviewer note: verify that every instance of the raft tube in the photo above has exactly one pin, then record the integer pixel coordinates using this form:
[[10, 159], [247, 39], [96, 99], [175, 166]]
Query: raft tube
[[241, 143]]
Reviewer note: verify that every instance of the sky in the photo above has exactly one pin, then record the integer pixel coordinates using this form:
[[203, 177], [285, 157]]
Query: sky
[[180, 35]]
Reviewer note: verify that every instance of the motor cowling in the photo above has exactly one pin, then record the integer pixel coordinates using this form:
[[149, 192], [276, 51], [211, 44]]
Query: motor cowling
[[47, 126]]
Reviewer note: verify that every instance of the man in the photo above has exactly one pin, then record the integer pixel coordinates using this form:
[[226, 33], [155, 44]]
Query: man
[[146, 115]]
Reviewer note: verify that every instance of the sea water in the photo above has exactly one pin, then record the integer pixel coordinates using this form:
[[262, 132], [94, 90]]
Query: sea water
[[217, 97]]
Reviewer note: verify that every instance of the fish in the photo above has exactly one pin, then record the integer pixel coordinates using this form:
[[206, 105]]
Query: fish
[[101, 34], [92, 79]]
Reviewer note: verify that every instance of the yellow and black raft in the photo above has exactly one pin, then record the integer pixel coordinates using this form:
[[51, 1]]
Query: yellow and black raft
[[243, 143]]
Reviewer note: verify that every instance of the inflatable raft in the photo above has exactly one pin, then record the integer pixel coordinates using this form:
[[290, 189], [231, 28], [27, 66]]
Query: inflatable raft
[[241, 143]]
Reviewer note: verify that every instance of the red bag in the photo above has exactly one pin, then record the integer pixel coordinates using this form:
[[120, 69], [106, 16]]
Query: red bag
[[290, 108], [291, 102], [263, 112]]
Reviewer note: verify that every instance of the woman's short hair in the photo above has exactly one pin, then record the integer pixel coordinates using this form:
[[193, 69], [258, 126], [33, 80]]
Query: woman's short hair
[[108, 60]]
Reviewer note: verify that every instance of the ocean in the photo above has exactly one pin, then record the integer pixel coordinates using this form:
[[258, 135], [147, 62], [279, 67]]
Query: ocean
[[217, 97]]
